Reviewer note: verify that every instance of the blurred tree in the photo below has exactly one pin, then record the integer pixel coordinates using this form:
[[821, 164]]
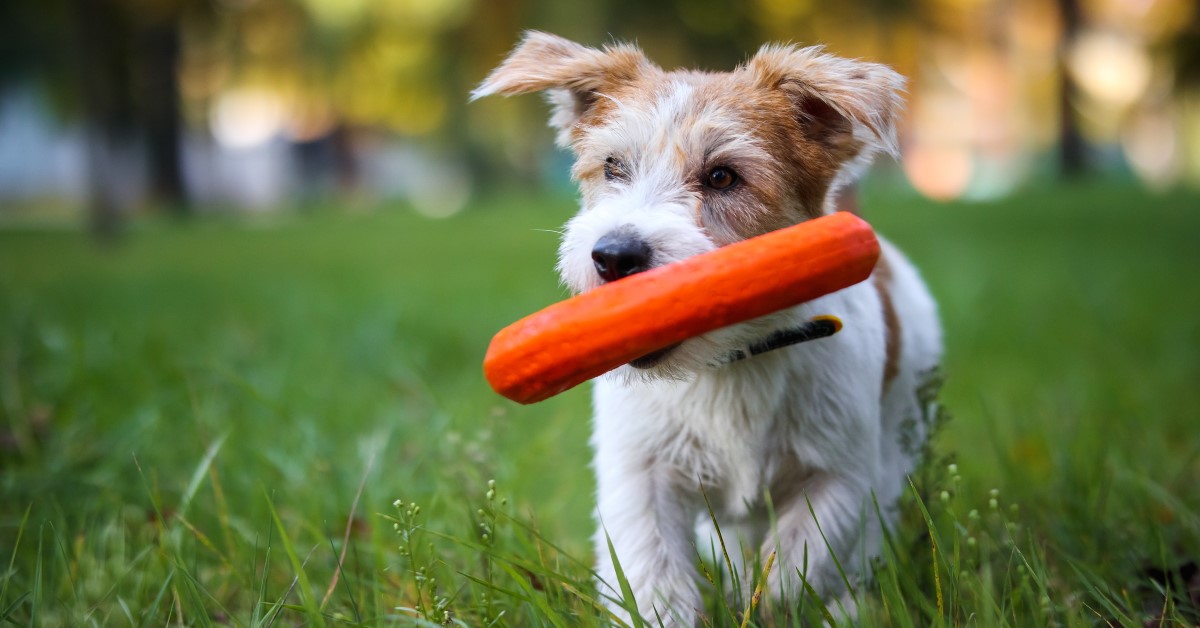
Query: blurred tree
[[156, 58], [112, 64], [338, 74], [1185, 49], [100, 37], [1072, 151]]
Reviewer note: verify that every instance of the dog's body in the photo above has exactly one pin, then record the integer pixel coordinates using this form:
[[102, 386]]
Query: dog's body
[[672, 164]]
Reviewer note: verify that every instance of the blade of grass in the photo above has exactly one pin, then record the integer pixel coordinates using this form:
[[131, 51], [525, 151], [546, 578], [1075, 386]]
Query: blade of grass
[[893, 567], [222, 508], [512, 559], [306, 593], [716, 526], [735, 578], [4, 616], [758, 589], [202, 598], [198, 475], [13, 559], [346, 586], [534, 598], [832, 554], [260, 602], [493, 586], [811, 594], [629, 602], [509, 519], [204, 540], [935, 542], [37, 581], [281, 604], [162, 593], [362, 483], [1098, 591]]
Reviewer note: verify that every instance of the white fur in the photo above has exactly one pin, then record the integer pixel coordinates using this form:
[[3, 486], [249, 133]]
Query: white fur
[[812, 410], [810, 427]]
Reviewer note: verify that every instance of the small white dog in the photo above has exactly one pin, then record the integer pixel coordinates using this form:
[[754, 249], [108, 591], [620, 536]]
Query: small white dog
[[672, 164]]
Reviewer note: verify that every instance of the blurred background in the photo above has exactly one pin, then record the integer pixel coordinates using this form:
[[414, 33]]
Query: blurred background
[[312, 235], [114, 108]]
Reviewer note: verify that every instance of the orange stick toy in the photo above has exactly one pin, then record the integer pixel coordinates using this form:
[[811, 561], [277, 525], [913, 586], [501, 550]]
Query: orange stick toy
[[575, 340]]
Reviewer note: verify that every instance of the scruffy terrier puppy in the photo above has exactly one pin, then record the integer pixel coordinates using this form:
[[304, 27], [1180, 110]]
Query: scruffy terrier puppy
[[672, 164]]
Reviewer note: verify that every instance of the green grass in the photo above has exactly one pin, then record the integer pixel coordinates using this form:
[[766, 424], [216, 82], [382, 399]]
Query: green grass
[[193, 420]]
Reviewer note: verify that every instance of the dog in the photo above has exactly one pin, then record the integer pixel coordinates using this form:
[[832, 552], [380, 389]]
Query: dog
[[788, 451]]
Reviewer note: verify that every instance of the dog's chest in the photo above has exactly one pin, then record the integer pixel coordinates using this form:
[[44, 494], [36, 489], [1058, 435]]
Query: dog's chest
[[729, 432]]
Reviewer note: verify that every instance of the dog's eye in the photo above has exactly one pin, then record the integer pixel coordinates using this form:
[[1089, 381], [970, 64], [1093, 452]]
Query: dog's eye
[[720, 178], [614, 170]]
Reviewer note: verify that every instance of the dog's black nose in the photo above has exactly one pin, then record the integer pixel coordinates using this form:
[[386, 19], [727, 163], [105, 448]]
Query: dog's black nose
[[620, 254]]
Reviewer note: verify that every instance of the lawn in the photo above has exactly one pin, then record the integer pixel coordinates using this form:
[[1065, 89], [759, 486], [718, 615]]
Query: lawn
[[200, 424]]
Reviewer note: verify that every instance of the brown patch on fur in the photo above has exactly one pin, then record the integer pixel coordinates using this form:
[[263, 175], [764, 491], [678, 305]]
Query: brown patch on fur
[[574, 76], [598, 110], [791, 189], [808, 141], [882, 279], [591, 170], [856, 91], [680, 155], [796, 109], [544, 61], [790, 481]]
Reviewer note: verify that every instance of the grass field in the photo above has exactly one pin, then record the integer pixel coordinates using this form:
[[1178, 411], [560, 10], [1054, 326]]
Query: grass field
[[194, 422]]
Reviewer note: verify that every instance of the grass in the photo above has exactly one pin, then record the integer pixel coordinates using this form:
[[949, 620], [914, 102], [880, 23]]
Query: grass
[[202, 424]]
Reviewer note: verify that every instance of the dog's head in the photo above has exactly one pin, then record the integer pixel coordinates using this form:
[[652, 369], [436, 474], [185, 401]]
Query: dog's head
[[672, 164]]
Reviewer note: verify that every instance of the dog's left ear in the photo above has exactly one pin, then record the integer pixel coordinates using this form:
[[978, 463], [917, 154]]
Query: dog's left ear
[[848, 106], [573, 76]]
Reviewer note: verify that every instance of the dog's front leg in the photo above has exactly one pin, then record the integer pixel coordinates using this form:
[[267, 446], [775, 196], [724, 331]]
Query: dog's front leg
[[822, 522], [648, 520]]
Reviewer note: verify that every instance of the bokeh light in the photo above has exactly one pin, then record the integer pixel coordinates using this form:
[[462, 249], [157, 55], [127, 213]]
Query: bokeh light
[[326, 90], [246, 118]]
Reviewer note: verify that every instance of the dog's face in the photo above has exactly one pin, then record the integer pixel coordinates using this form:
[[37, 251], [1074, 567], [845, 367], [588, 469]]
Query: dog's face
[[672, 164]]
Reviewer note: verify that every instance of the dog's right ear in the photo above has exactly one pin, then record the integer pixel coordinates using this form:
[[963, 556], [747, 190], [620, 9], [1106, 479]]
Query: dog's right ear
[[572, 75]]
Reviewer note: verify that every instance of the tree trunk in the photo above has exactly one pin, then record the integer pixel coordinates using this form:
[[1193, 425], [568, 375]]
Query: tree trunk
[[162, 111], [105, 96], [1072, 151]]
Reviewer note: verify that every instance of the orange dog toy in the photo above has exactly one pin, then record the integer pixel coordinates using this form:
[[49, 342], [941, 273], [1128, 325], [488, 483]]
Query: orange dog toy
[[575, 340]]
